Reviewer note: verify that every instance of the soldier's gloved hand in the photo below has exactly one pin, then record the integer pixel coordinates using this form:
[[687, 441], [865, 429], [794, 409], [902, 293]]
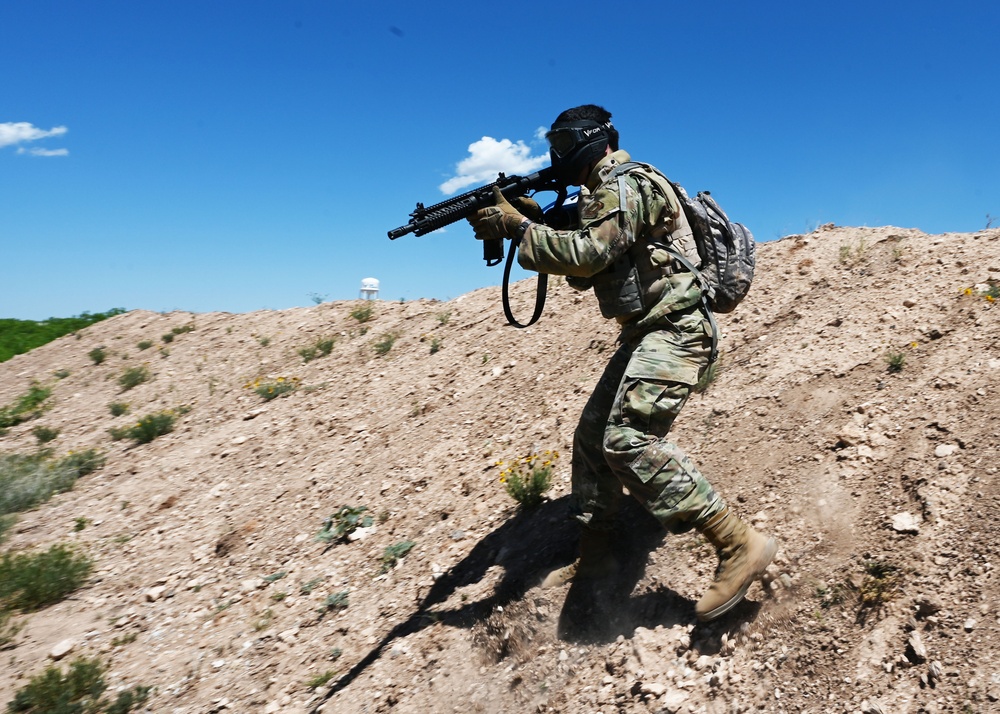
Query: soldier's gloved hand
[[496, 222], [528, 207]]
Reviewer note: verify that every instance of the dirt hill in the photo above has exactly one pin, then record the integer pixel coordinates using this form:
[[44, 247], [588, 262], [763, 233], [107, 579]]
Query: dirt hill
[[210, 584]]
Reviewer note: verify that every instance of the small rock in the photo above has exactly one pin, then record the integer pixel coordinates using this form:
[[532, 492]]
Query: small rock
[[906, 523], [916, 651], [62, 649], [155, 593], [909, 303], [654, 689], [945, 450], [935, 671], [969, 625]]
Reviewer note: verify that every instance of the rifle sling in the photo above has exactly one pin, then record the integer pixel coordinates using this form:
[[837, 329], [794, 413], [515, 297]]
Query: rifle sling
[[540, 288]]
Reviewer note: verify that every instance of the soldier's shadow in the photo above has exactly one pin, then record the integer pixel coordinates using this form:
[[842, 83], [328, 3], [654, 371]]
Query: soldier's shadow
[[527, 546]]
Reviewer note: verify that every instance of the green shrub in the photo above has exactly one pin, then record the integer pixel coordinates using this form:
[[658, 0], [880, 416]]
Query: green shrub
[[269, 389], [29, 405], [44, 434], [144, 345], [97, 355], [337, 601], [385, 344], [168, 337], [344, 522], [147, 428], [320, 679], [895, 360], [363, 313], [118, 408], [77, 691], [321, 348], [31, 581], [528, 478], [26, 481], [393, 553], [134, 376]]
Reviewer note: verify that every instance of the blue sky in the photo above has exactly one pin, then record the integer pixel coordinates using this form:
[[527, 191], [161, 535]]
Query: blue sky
[[243, 155]]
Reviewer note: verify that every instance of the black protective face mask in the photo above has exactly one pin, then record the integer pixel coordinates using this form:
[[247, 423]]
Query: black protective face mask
[[575, 145]]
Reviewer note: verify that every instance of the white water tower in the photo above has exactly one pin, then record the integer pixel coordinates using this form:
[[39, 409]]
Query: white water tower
[[369, 289]]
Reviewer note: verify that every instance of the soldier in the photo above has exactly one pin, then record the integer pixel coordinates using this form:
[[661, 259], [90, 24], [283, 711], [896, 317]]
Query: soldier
[[627, 219]]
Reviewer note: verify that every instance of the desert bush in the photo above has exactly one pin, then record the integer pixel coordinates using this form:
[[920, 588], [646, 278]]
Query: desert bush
[[29, 405], [337, 601], [132, 377], [394, 553], [26, 481], [31, 581], [147, 428], [385, 344], [118, 408], [79, 690], [144, 345], [528, 478], [44, 434], [895, 360], [443, 317], [97, 355], [271, 388], [345, 521], [321, 348], [363, 313]]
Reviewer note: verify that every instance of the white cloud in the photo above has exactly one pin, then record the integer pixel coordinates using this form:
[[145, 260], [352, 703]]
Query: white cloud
[[18, 132], [43, 152], [488, 157]]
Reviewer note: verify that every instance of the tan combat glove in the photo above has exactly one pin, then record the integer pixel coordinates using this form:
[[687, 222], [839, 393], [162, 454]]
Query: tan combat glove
[[496, 222]]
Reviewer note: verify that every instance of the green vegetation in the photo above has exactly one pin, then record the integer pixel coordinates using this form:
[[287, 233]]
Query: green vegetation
[[20, 336], [528, 478], [147, 428], [98, 355], [134, 376], [271, 388], [321, 348], [118, 408], [26, 481], [79, 690], [895, 360], [44, 434], [363, 313], [393, 553], [31, 581], [144, 345], [320, 679], [345, 521], [385, 344], [337, 601], [28, 406]]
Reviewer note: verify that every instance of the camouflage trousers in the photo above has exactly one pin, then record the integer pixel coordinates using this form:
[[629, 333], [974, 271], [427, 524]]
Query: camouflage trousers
[[621, 439]]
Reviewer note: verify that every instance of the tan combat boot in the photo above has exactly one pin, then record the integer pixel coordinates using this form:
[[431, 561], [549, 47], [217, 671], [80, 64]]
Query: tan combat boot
[[743, 556], [595, 561]]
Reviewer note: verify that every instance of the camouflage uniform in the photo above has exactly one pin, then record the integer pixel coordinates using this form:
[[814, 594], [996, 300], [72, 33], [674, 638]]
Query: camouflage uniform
[[666, 341]]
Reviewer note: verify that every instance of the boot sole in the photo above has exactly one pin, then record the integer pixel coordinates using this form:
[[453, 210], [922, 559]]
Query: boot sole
[[770, 550]]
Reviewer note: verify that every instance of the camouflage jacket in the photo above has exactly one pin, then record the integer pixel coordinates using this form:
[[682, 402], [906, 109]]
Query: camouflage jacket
[[615, 249]]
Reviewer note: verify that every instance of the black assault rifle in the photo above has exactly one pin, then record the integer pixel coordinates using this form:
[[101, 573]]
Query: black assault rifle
[[423, 220]]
